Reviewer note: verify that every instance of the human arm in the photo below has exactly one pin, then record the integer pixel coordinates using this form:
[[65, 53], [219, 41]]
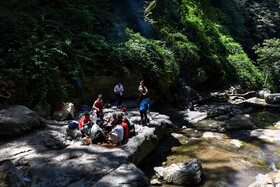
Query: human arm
[[146, 91], [94, 106]]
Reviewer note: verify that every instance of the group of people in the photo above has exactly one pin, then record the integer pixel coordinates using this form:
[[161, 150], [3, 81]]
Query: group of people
[[114, 130], [143, 102]]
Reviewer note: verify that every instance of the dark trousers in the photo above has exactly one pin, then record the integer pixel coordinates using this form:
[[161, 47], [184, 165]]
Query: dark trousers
[[143, 115], [119, 99], [98, 138]]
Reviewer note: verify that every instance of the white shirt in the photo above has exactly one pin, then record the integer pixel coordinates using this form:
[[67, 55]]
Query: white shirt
[[119, 88], [118, 130]]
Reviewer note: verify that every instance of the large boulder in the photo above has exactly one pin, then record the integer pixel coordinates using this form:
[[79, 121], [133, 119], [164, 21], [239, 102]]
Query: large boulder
[[263, 93], [241, 122], [18, 119], [66, 113], [182, 173], [273, 98], [9, 176], [55, 140]]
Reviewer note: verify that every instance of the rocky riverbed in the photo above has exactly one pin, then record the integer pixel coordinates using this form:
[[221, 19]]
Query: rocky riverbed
[[236, 143]]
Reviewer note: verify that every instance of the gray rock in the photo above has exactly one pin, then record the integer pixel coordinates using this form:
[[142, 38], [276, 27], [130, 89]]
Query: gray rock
[[43, 110], [74, 133], [266, 134], [55, 140], [273, 98], [66, 113], [125, 175], [9, 176], [267, 180], [263, 93], [62, 115], [17, 120], [187, 173], [241, 122]]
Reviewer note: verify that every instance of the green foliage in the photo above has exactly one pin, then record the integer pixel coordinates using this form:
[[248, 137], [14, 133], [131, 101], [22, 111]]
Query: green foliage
[[156, 64], [204, 48], [269, 58]]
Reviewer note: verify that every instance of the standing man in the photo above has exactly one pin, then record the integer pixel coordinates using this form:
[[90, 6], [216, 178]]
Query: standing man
[[119, 93], [144, 108], [143, 91], [98, 105]]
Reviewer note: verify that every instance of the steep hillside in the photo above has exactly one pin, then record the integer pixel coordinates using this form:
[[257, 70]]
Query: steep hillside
[[46, 46]]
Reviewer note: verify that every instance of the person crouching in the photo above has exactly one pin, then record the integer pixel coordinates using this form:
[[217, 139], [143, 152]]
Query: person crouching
[[116, 135]]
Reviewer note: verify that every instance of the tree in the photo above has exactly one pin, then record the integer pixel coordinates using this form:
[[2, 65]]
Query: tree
[[268, 56]]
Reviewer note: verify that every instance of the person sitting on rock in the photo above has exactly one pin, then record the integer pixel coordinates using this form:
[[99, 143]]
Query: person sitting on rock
[[85, 124], [125, 130], [98, 105], [144, 108], [116, 135], [97, 135], [73, 130], [4, 96], [131, 128], [101, 118]]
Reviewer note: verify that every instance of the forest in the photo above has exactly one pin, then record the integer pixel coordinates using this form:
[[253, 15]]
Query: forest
[[46, 45]]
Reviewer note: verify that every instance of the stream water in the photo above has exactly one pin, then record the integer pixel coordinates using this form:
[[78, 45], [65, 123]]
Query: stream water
[[223, 163]]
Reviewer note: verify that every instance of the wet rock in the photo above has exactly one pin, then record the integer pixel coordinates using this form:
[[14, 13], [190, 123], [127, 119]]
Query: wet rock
[[55, 140], [43, 110], [17, 120], [9, 176], [236, 143], [212, 135], [216, 127], [175, 135], [263, 93], [241, 122], [266, 134], [267, 180], [195, 116], [273, 98], [155, 182], [183, 173]]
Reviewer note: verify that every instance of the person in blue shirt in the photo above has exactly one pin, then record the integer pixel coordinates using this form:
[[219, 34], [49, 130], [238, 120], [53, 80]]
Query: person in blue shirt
[[144, 108]]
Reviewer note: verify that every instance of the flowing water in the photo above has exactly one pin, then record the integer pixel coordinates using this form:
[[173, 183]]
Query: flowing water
[[223, 163]]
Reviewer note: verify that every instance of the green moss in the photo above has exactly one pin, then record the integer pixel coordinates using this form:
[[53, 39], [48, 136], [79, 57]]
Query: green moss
[[277, 152]]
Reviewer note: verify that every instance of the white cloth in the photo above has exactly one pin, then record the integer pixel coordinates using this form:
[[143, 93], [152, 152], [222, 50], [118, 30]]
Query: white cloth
[[119, 88]]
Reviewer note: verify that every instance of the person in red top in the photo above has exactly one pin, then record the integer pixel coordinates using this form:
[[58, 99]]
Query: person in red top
[[85, 121], [98, 105], [126, 130]]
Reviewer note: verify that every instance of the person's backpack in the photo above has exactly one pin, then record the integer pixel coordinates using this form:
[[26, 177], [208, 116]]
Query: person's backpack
[[73, 125]]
